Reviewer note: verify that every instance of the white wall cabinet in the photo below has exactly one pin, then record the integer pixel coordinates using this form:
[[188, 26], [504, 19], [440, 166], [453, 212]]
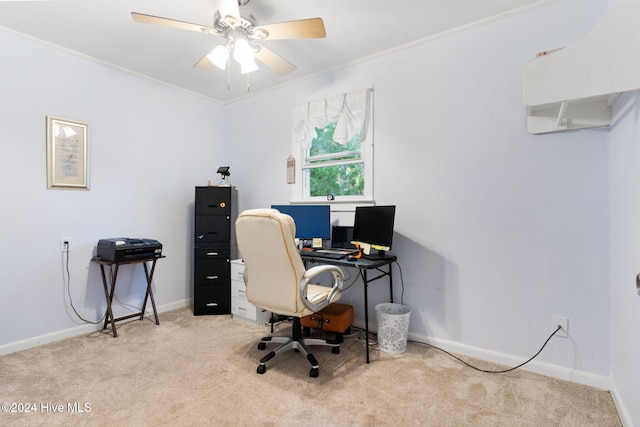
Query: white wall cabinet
[[575, 87]]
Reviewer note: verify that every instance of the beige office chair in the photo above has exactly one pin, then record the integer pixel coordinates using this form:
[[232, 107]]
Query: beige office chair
[[277, 280]]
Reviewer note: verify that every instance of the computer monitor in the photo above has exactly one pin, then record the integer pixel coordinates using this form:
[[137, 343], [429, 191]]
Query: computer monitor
[[341, 237], [312, 221], [374, 225]]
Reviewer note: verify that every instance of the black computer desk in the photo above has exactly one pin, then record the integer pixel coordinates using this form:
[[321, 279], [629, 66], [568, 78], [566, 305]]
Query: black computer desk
[[363, 265]]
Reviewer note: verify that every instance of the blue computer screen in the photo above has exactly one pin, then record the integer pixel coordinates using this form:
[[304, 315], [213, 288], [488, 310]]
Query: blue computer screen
[[312, 221]]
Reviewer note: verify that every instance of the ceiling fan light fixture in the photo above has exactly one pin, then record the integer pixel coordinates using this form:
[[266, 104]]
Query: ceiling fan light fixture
[[248, 66], [219, 56], [242, 51]]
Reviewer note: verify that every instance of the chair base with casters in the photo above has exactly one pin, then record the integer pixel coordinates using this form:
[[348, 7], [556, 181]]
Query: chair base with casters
[[296, 342]]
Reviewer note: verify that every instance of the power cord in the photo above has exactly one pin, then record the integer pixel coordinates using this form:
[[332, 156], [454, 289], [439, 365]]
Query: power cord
[[488, 371], [373, 343], [65, 254], [401, 282], [462, 361], [353, 279]]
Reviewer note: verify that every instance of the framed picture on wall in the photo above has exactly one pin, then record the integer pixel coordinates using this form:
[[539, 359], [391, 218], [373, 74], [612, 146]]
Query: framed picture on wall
[[67, 154]]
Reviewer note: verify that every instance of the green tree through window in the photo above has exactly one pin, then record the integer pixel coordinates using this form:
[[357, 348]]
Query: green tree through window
[[334, 168]]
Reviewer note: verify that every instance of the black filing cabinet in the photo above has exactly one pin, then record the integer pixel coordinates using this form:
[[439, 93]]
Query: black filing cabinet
[[214, 246]]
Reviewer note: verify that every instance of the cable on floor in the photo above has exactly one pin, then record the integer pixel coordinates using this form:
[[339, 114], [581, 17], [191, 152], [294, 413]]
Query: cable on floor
[[489, 371], [373, 343]]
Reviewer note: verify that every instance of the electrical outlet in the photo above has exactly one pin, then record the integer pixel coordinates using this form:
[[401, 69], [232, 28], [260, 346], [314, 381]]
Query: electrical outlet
[[563, 322], [65, 244]]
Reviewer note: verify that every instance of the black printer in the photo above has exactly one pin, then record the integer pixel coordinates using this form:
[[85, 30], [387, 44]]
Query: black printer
[[122, 249]]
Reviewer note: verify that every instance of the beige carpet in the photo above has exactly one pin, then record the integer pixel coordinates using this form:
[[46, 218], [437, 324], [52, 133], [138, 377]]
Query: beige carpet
[[201, 371]]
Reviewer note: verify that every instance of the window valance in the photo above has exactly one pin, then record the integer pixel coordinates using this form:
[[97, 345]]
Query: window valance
[[350, 112]]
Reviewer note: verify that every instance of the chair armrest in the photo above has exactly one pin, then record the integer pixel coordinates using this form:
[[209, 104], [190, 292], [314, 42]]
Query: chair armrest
[[336, 286]]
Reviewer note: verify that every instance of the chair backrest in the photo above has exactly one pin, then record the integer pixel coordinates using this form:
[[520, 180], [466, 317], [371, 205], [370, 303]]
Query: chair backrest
[[273, 266]]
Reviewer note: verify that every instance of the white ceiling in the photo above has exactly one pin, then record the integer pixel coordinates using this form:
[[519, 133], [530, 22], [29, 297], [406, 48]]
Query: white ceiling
[[356, 29]]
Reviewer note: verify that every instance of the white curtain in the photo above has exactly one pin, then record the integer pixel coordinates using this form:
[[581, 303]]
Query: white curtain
[[349, 110]]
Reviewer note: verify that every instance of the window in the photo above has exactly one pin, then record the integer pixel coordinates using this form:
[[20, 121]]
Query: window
[[333, 149]]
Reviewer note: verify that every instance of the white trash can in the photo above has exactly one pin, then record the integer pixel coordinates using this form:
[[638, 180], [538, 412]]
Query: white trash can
[[393, 327]]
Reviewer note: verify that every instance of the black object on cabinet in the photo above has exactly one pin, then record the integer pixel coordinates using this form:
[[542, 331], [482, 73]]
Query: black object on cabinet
[[214, 246]]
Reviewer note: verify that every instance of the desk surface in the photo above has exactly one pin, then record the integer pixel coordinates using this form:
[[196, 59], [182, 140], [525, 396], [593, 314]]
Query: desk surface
[[359, 263]]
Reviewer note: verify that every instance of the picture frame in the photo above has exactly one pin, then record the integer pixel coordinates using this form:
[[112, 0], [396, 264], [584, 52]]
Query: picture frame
[[67, 154]]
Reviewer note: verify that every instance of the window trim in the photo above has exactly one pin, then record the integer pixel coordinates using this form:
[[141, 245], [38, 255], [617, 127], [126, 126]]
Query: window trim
[[367, 157]]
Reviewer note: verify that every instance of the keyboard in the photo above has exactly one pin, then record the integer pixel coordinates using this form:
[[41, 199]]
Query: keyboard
[[327, 253]]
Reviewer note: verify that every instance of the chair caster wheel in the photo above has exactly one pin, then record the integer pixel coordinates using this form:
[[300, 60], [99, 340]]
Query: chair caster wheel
[[262, 369], [262, 346], [313, 373], [335, 350]]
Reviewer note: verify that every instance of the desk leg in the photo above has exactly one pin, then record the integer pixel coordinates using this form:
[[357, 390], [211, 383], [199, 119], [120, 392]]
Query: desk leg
[[366, 311], [365, 280], [390, 283], [109, 297], [149, 292]]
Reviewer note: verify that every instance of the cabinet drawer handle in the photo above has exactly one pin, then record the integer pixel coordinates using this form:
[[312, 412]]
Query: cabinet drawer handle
[[212, 253], [212, 304], [212, 277], [241, 291], [242, 309]]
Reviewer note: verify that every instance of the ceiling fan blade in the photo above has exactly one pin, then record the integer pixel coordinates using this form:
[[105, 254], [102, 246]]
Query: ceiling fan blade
[[274, 61], [302, 29], [156, 20], [204, 63], [228, 8]]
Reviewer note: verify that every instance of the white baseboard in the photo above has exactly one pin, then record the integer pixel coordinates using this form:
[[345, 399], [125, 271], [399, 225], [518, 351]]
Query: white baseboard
[[580, 377], [78, 330], [623, 412]]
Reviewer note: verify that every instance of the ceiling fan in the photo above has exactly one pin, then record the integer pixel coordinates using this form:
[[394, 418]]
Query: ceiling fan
[[242, 33]]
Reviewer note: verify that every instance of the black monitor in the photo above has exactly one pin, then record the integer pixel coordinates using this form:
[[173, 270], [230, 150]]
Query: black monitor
[[341, 237], [312, 221], [374, 225]]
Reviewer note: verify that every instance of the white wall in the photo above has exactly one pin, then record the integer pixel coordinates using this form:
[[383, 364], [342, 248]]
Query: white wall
[[496, 229], [624, 184], [624, 205], [149, 146]]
